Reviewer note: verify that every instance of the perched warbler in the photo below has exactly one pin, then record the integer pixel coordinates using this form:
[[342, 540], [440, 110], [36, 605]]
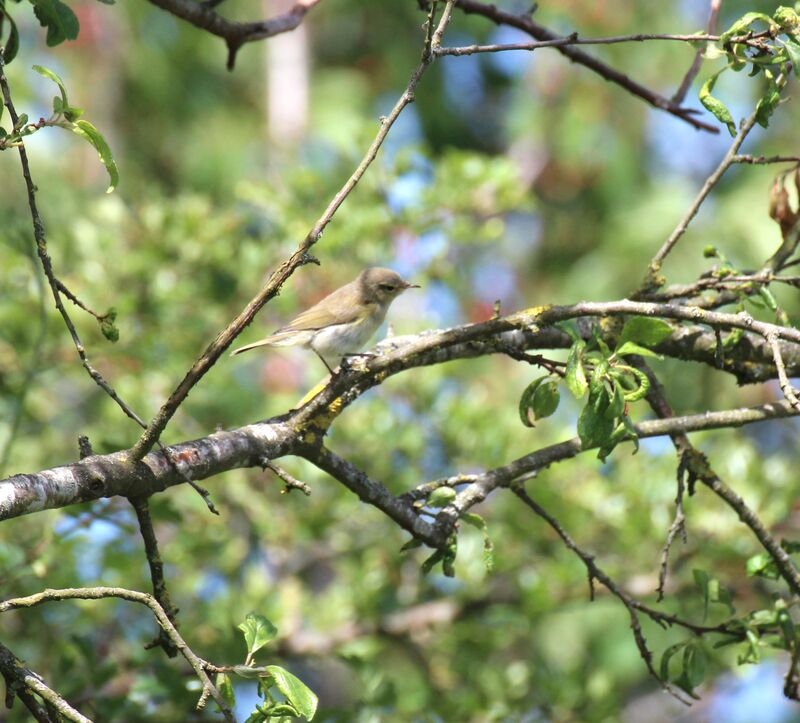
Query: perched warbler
[[344, 320]]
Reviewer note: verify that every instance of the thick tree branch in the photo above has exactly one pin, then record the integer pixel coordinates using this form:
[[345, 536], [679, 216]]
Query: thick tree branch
[[118, 474], [235, 34]]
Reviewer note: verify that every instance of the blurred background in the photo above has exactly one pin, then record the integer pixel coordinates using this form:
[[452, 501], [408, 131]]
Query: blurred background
[[515, 177]]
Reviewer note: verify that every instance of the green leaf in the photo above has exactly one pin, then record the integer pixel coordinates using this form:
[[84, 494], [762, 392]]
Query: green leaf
[[768, 102], [617, 404], [296, 691], [732, 339], [594, 428], [631, 347], [441, 497], [575, 376], [412, 544], [90, 133], [546, 399], [73, 113], [762, 565], [428, 563], [488, 547], [257, 716], [667, 655], [109, 330], [769, 299], [694, 664], [645, 331], [539, 400], [61, 23], [742, 24], [570, 328], [258, 631], [716, 106], [47, 73], [12, 44], [637, 388], [225, 687], [787, 18], [22, 120], [249, 672], [793, 51]]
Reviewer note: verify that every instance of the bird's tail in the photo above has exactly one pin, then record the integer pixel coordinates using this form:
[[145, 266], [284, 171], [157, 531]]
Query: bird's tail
[[280, 338], [254, 345]]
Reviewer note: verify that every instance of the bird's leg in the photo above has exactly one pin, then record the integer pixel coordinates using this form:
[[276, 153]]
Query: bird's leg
[[322, 359]]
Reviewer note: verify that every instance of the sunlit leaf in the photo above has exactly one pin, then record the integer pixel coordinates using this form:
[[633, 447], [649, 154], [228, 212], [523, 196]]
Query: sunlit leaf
[[90, 133]]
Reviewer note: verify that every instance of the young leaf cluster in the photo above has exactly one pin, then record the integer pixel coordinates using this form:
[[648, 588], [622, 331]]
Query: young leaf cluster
[[604, 377], [64, 116], [773, 52], [284, 696]]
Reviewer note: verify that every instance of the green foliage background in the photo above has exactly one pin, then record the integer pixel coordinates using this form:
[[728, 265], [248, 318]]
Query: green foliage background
[[545, 175]]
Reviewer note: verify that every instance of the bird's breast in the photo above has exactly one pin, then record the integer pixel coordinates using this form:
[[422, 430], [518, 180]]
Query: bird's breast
[[341, 339]]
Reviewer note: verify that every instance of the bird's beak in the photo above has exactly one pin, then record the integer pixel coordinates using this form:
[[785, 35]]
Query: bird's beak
[[411, 286]]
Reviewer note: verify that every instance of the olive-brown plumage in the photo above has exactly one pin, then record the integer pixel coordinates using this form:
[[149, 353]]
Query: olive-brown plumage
[[343, 321]]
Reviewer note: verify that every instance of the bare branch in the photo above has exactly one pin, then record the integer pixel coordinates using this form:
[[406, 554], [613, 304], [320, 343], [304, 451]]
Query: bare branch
[[22, 681], [694, 69], [595, 573], [142, 507], [99, 593], [764, 160], [541, 33], [292, 483]]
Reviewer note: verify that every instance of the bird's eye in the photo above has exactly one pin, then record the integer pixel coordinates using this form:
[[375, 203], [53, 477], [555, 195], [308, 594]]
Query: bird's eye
[[388, 287]]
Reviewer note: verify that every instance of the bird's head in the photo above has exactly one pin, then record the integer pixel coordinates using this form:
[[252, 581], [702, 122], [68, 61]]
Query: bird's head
[[383, 285]]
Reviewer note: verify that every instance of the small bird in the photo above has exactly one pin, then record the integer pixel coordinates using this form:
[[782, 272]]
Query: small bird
[[342, 322]]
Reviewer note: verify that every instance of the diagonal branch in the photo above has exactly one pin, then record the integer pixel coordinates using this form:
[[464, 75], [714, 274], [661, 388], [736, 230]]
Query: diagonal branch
[[526, 25], [694, 69], [373, 493], [22, 682]]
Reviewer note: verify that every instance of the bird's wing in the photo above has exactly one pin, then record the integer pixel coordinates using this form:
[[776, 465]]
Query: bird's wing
[[340, 307]]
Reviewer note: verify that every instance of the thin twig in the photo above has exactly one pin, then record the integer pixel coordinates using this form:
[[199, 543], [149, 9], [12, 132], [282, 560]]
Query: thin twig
[[763, 160], [786, 387], [98, 593], [595, 573], [694, 69], [141, 505], [677, 527], [47, 266], [21, 681], [539, 32], [727, 160], [292, 483]]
